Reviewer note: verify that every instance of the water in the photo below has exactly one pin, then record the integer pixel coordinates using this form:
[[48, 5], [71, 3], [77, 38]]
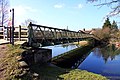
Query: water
[[62, 48], [104, 61]]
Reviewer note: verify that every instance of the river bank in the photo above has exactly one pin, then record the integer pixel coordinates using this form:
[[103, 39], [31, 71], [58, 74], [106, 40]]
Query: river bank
[[11, 68]]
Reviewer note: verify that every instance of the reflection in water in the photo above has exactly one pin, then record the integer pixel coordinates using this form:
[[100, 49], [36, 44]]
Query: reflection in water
[[62, 48], [104, 61], [78, 61], [73, 58], [108, 52]]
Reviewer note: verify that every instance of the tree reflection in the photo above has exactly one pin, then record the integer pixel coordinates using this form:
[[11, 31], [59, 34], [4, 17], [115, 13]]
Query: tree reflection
[[107, 52]]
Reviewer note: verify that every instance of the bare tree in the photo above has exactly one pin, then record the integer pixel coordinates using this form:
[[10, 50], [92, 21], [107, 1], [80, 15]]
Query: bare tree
[[26, 22], [4, 5], [113, 4]]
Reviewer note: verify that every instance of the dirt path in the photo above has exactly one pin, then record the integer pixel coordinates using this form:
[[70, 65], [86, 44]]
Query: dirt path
[[3, 50]]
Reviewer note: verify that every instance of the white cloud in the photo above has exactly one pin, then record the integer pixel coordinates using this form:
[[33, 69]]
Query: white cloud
[[58, 5], [80, 6]]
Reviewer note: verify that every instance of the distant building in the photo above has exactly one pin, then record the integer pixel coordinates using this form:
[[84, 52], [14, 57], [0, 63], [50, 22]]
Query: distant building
[[85, 31], [94, 30], [89, 31]]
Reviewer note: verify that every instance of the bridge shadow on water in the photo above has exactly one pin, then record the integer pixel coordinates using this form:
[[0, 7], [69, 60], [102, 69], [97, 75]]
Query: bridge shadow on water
[[72, 59]]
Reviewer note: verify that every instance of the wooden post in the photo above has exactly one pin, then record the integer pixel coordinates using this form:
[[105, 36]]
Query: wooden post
[[4, 32], [19, 32], [12, 26], [30, 34], [10, 35], [7, 32]]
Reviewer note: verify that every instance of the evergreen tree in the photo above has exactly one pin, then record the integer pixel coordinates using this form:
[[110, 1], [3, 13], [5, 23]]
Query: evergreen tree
[[107, 24], [114, 25]]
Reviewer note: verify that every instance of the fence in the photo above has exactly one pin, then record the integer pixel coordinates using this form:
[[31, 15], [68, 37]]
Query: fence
[[20, 33], [1, 32]]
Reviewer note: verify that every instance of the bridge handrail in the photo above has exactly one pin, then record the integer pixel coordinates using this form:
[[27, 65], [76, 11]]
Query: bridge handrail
[[33, 25], [52, 28]]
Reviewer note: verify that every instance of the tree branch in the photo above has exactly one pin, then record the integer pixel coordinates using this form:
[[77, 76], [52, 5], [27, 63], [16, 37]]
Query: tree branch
[[108, 3], [113, 4]]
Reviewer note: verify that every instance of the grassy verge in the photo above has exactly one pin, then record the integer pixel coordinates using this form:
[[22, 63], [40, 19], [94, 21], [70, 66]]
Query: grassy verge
[[81, 75], [11, 66]]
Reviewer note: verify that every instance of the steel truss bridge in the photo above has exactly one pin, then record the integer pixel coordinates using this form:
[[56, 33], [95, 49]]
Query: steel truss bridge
[[48, 35]]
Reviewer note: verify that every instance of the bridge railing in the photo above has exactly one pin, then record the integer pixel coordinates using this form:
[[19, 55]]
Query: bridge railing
[[1, 32], [20, 33]]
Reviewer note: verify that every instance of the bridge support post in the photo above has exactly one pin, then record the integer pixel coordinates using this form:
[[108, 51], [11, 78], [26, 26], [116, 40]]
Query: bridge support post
[[30, 36]]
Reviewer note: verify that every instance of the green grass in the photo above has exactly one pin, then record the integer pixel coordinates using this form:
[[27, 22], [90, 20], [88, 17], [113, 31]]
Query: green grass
[[11, 66], [81, 75]]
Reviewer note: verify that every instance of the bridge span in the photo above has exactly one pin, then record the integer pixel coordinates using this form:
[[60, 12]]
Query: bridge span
[[45, 35]]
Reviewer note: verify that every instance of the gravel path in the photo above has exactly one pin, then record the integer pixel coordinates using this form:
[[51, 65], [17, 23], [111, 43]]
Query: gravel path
[[3, 50]]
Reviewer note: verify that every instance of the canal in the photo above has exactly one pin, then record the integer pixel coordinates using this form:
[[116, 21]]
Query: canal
[[100, 60], [104, 61], [62, 48]]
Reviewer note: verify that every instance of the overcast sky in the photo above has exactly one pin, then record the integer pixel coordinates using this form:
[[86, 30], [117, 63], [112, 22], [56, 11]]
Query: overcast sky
[[76, 14]]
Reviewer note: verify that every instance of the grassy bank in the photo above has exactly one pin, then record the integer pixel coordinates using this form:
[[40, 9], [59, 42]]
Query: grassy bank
[[11, 69], [81, 75], [9, 62]]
